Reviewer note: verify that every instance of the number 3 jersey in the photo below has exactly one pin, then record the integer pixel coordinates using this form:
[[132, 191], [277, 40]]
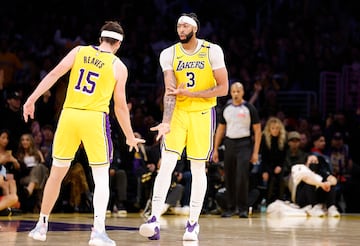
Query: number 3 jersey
[[195, 71], [92, 81]]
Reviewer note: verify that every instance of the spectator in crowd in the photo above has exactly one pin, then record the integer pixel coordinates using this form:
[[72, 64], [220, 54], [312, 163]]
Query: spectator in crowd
[[8, 160], [341, 163], [8, 193], [273, 149], [11, 118], [118, 188], [45, 109], [48, 138], [8, 186], [118, 192], [33, 173], [318, 148], [313, 188], [294, 155], [125, 171], [305, 141]]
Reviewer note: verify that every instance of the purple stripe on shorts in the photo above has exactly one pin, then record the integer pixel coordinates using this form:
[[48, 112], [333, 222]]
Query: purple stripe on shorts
[[213, 128], [108, 136]]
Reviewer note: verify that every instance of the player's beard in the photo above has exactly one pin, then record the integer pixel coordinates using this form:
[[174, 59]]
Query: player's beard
[[187, 39]]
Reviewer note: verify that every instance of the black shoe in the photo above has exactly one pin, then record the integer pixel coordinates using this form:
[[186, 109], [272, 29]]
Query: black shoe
[[215, 211], [243, 214], [16, 211], [227, 214], [5, 212]]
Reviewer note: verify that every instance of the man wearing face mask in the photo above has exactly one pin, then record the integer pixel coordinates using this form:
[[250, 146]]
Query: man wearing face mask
[[313, 188], [195, 75]]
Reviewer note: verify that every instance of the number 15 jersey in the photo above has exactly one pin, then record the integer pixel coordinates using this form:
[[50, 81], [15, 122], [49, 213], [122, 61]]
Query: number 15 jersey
[[92, 81]]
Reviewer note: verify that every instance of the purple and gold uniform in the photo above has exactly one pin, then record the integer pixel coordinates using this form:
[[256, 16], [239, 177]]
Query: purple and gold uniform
[[193, 120], [84, 117]]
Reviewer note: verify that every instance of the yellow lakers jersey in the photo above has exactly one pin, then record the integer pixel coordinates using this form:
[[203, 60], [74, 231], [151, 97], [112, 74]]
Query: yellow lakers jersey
[[196, 72], [91, 81]]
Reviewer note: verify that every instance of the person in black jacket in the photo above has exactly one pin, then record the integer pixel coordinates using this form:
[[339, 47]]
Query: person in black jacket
[[273, 150]]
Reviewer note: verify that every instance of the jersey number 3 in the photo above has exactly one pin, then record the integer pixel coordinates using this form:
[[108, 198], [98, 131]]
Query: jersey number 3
[[191, 78]]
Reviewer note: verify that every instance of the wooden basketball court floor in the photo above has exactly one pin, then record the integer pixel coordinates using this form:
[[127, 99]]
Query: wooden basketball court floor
[[74, 229]]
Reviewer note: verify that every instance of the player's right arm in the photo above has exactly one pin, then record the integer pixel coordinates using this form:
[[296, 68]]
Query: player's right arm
[[48, 81], [169, 100]]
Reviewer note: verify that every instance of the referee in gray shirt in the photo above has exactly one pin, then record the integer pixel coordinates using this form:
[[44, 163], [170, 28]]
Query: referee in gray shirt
[[238, 120]]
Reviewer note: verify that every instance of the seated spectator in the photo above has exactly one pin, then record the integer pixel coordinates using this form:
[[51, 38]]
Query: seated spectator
[[312, 192], [313, 188], [48, 137], [341, 162], [7, 159], [9, 167], [294, 155], [305, 141], [8, 194], [318, 142], [8, 187], [33, 173], [272, 150], [38, 139], [118, 191]]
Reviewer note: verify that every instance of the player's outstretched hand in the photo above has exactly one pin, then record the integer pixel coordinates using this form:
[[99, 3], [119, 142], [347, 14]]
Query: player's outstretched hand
[[133, 143], [162, 128]]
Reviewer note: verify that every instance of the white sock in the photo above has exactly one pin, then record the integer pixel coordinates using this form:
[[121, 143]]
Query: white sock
[[198, 189], [162, 182], [101, 196], [43, 218]]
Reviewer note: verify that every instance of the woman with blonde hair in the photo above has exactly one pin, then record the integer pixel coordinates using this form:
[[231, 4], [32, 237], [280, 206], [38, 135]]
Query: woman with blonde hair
[[273, 149], [34, 173]]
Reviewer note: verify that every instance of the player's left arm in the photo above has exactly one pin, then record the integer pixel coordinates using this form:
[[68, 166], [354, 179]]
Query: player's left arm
[[120, 105]]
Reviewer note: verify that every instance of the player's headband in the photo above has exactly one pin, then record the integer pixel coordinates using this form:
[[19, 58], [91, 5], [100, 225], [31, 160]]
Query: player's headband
[[111, 34], [188, 20]]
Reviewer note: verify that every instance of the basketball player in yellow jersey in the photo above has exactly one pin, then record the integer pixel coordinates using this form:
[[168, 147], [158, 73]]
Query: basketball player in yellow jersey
[[194, 74], [96, 75]]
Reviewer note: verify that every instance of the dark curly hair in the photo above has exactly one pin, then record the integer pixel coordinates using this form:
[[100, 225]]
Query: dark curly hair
[[194, 17]]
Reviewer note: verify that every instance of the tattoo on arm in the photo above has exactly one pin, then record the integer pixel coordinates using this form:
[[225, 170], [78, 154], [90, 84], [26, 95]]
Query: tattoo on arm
[[169, 105]]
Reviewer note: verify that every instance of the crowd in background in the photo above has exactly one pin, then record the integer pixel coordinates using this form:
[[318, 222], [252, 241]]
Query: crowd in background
[[269, 46]]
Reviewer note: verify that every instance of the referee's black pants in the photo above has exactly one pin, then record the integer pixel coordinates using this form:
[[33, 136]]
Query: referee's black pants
[[237, 156]]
